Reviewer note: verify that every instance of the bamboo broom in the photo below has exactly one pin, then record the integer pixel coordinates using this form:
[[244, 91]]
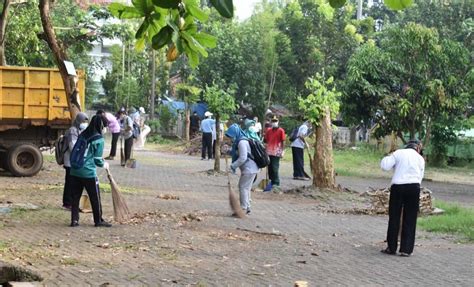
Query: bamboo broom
[[234, 203], [121, 212]]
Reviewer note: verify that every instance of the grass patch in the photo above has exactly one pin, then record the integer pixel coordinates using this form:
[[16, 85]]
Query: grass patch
[[3, 246], [455, 220], [106, 188]]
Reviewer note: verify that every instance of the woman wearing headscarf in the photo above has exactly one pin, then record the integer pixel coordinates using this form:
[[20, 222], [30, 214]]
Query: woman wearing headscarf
[[86, 176], [240, 159], [250, 130], [78, 125]]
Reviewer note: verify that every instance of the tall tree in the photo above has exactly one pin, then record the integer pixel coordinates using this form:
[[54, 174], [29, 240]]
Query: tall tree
[[59, 55], [319, 107], [3, 27], [221, 103], [412, 83]]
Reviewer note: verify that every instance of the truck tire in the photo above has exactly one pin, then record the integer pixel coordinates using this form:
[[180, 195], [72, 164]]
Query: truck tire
[[24, 160]]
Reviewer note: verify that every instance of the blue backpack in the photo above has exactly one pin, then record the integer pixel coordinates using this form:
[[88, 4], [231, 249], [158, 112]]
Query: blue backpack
[[78, 153]]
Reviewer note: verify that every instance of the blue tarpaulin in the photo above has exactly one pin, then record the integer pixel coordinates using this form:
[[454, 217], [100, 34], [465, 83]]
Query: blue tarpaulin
[[199, 108]]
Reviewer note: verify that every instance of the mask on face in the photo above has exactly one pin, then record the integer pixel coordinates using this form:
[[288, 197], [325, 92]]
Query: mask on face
[[274, 124], [252, 129], [83, 126]]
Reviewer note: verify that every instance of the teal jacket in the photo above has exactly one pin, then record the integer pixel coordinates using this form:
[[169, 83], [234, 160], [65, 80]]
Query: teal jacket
[[92, 160]]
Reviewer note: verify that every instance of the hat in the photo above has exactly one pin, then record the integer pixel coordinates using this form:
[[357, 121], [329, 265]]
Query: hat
[[132, 110], [207, 114], [142, 110], [274, 119]]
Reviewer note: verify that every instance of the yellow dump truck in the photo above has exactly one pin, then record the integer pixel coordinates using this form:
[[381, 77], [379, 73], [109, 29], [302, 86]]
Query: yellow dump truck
[[33, 113]]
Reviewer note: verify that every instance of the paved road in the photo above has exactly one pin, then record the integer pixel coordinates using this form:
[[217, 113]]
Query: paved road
[[286, 238]]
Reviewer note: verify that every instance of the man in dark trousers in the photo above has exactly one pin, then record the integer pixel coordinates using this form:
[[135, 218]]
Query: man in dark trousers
[[409, 167], [207, 127], [297, 150], [275, 140], [194, 124]]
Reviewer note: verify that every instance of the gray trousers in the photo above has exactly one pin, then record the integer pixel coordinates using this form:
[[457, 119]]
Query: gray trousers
[[245, 186]]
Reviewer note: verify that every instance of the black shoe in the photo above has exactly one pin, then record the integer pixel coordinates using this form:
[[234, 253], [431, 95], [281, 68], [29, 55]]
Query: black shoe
[[103, 224], [248, 211], [74, 224], [403, 254], [388, 251]]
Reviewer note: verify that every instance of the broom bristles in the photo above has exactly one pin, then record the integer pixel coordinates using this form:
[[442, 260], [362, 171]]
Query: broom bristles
[[233, 201], [121, 212], [235, 205]]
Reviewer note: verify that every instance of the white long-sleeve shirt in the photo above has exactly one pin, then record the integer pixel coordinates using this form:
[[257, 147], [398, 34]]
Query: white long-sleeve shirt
[[408, 164]]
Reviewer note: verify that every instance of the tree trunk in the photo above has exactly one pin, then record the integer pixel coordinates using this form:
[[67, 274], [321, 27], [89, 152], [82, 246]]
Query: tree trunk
[[188, 122], [3, 28], [217, 151], [59, 55], [323, 163]]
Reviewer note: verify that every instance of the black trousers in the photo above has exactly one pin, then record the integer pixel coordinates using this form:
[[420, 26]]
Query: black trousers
[[273, 170], [128, 148], [206, 145], [298, 161], [404, 197], [67, 192], [113, 148], [92, 187]]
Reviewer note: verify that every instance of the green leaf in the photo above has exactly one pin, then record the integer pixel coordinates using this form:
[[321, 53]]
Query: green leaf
[[206, 40], [193, 8], [337, 3], [144, 6], [169, 4], [224, 7], [398, 4], [162, 38], [193, 56], [140, 44], [142, 29], [124, 12], [193, 44]]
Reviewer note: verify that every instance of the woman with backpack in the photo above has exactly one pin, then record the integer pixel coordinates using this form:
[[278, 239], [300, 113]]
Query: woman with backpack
[[78, 125], [240, 159], [84, 171]]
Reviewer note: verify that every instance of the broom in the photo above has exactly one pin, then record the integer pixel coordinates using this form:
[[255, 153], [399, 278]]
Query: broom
[[121, 212], [234, 203]]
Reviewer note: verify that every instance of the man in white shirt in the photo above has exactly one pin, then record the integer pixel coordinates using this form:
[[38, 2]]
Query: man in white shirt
[[409, 168], [297, 150]]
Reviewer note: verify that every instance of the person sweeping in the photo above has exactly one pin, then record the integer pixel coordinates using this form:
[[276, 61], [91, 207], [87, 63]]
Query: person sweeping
[[241, 159], [85, 158]]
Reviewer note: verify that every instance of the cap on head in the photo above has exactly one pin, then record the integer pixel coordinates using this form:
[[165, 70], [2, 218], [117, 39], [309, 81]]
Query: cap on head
[[132, 110], [141, 110], [274, 119], [413, 143], [207, 114]]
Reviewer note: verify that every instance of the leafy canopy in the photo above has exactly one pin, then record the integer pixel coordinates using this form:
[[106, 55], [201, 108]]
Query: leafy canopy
[[320, 98]]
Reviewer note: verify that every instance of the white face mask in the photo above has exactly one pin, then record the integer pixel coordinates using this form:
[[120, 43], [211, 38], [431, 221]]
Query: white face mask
[[83, 126], [274, 124], [252, 129]]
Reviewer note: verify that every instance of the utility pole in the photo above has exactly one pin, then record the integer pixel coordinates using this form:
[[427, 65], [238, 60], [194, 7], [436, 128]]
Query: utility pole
[[359, 9], [153, 83]]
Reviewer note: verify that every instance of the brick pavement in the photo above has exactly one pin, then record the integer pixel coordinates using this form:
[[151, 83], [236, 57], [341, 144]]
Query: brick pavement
[[308, 243]]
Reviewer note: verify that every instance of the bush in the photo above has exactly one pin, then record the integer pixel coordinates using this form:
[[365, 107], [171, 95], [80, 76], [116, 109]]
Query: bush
[[167, 118], [154, 125]]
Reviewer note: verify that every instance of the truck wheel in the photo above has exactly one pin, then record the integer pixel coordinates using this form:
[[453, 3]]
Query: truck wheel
[[24, 160]]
